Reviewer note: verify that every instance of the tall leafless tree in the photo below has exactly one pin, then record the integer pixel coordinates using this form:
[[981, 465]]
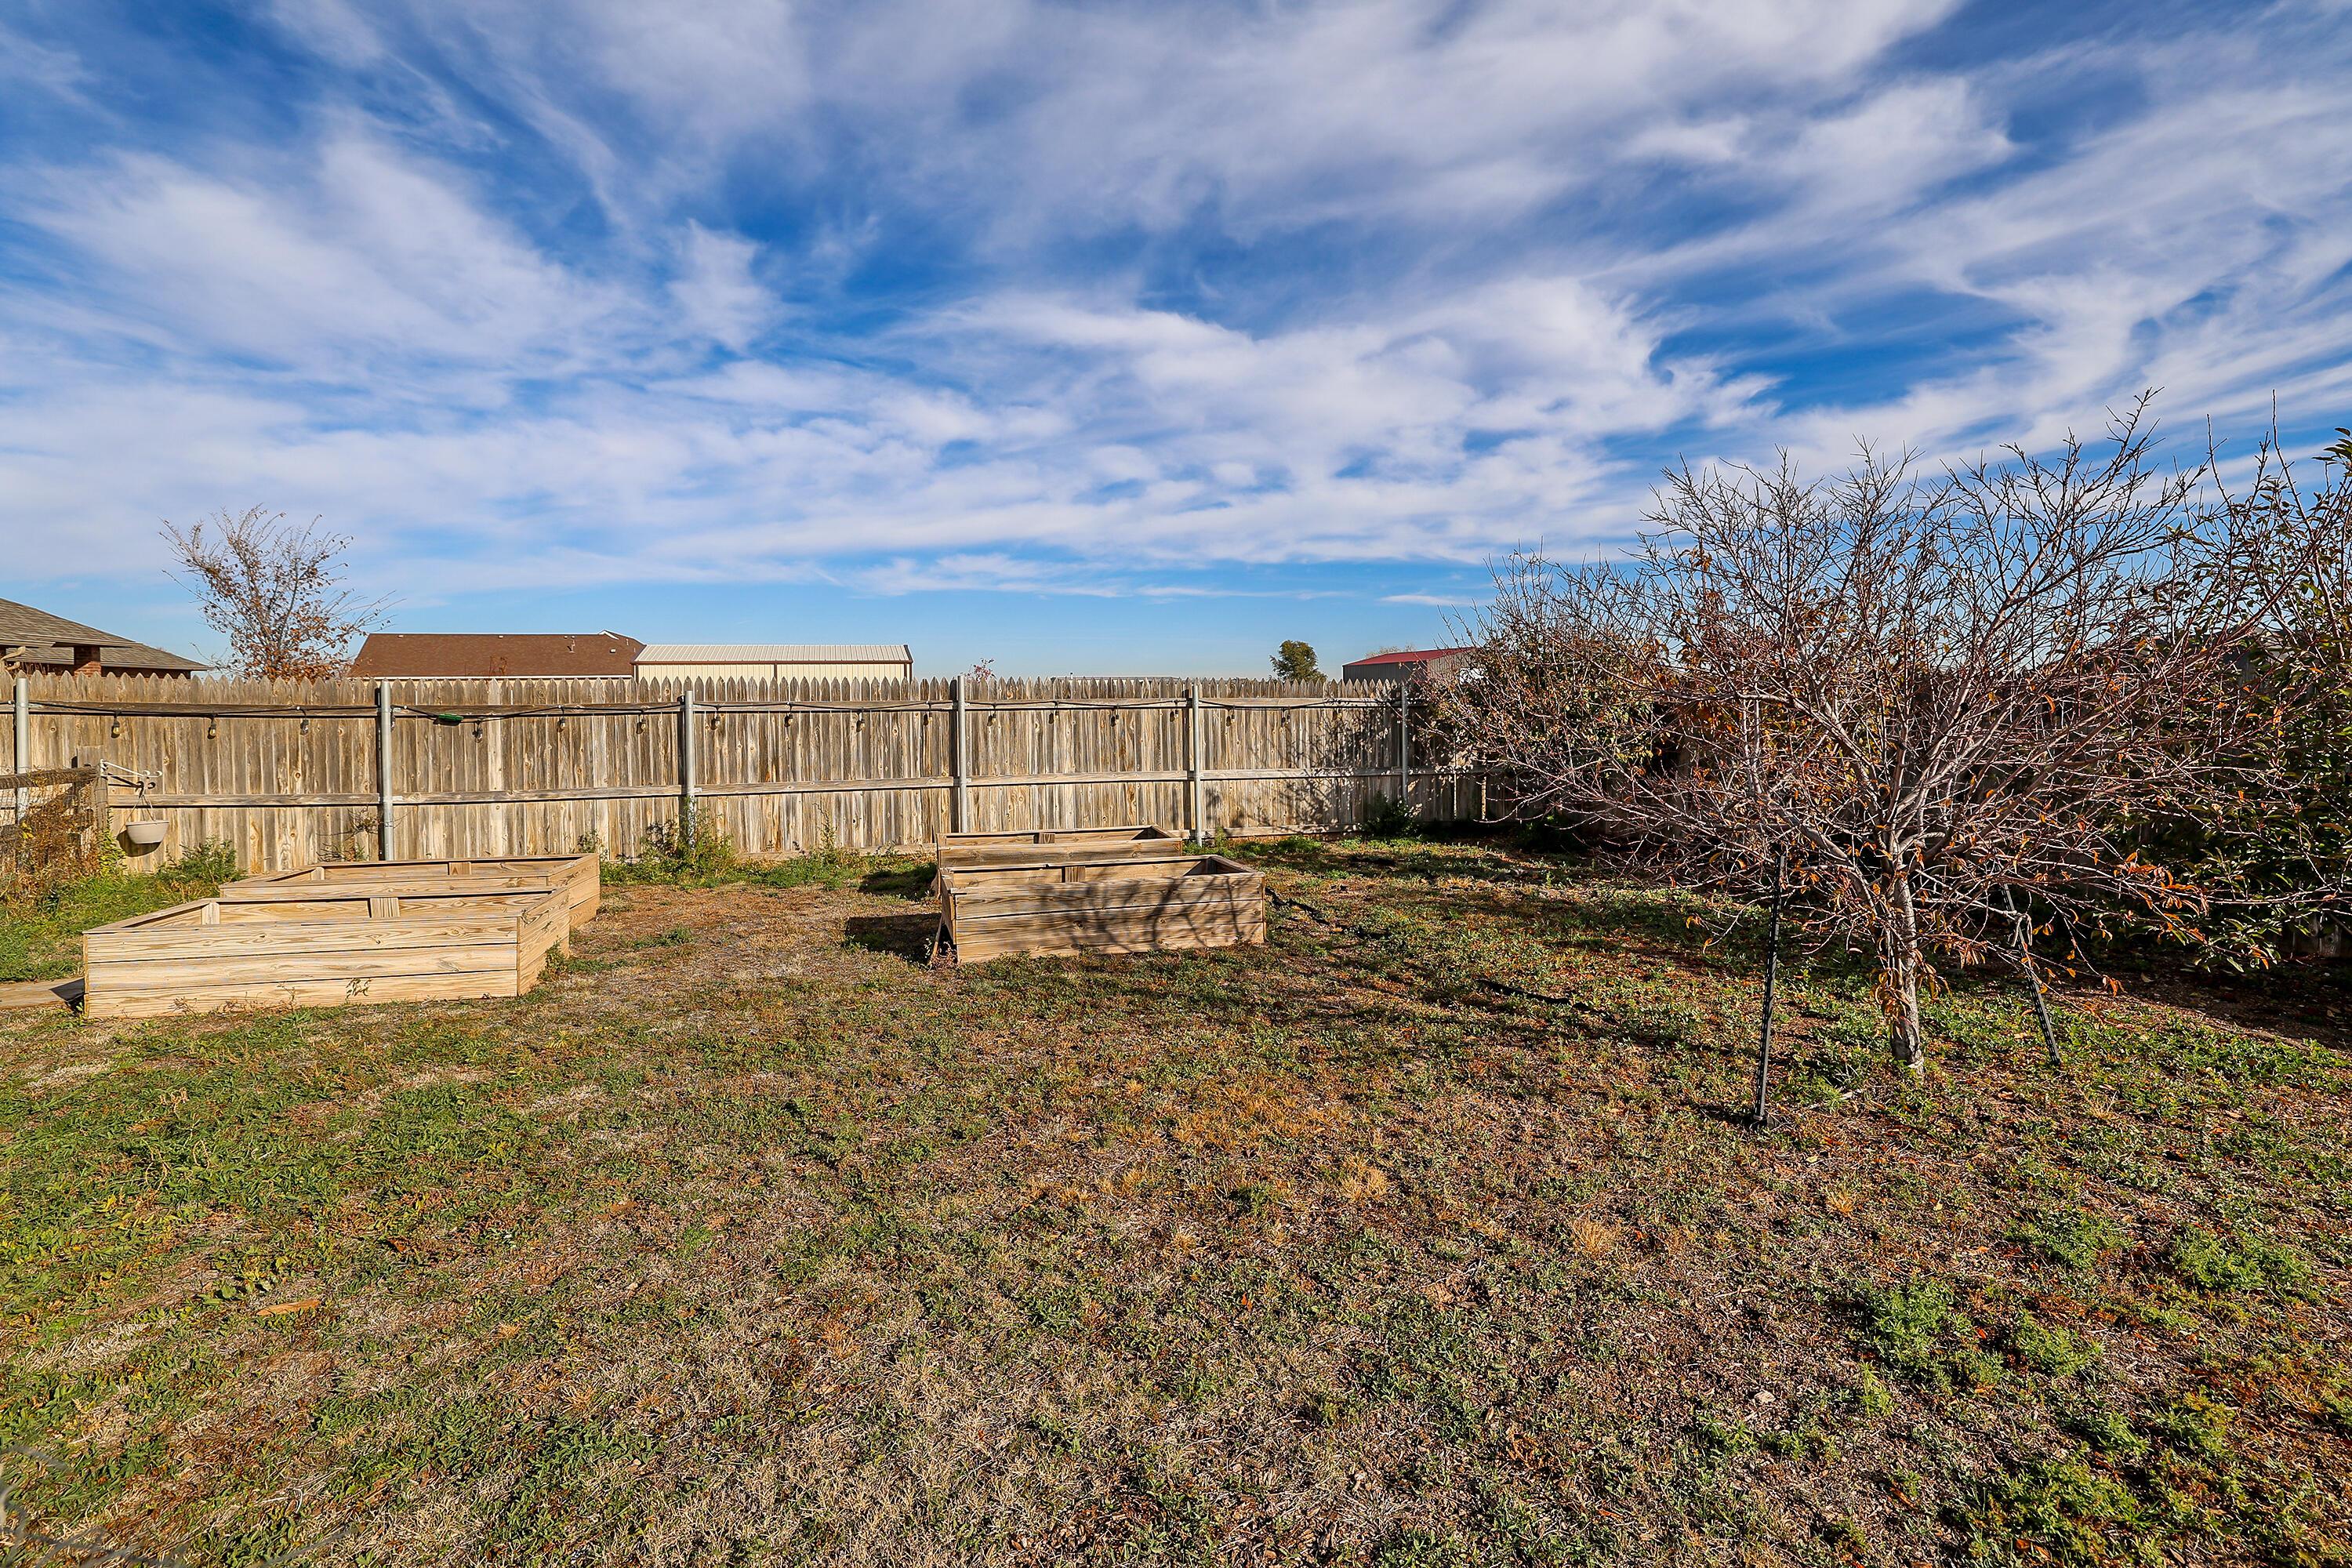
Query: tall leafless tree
[[275, 590], [1936, 693]]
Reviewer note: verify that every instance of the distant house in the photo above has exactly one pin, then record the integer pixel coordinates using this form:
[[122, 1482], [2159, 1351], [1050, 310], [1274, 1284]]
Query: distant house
[[525, 656], [35, 642], [678, 663], [1409, 664]]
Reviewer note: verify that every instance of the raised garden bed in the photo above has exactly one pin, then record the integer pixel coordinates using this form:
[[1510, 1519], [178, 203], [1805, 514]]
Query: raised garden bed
[[334, 947], [577, 875], [1116, 906]]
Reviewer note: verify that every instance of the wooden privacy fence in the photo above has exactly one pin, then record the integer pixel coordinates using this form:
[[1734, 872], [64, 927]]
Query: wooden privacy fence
[[289, 773]]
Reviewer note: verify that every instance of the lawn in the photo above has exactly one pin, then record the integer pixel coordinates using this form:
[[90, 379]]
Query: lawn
[[1429, 1234], [40, 938]]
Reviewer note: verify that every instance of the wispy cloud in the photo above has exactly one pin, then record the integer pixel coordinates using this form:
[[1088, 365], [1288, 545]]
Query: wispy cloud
[[1013, 297]]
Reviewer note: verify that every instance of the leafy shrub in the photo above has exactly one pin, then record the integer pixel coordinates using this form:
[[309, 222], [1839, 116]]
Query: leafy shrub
[[212, 862], [1387, 818], [688, 849]]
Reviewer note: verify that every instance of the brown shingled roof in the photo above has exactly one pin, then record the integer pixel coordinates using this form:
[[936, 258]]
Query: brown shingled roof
[[440, 656], [50, 639]]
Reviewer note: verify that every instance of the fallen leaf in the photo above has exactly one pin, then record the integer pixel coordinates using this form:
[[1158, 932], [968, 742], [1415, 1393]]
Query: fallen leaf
[[277, 1309]]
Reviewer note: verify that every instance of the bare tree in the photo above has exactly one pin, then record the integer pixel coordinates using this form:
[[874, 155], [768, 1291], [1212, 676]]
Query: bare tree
[[1935, 694], [275, 590]]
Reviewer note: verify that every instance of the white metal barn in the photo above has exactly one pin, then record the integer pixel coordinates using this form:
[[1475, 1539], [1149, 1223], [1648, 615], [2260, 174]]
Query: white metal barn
[[698, 663]]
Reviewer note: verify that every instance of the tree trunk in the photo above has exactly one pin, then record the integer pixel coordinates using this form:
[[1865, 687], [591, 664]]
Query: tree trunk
[[1900, 964]]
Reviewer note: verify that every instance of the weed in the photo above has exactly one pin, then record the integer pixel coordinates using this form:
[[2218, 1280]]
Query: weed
[[2060, 1509], [2211, 1262], [2054, 1351], [1870, 1396], [2071, 1238], [1387, 818], [2197, 1426], [1662, 1026], [2104, 1429], [688, 849], [1423, 1549], [1904, 1323]]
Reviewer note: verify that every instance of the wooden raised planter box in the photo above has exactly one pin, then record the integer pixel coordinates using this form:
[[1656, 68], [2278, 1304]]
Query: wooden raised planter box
[[334, 947], [577, 875], [1116, 906]]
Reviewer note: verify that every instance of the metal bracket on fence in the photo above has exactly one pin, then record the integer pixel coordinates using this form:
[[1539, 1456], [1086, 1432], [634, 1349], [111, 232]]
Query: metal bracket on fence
[[1194, 795], [686, 768]]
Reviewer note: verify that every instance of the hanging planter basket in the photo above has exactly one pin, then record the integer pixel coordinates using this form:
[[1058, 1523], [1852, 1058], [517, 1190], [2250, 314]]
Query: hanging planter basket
[[144, 835]]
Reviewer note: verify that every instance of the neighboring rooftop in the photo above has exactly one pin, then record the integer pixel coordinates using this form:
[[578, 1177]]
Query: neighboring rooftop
[[519, 655], [1406, 664], [776, 653], [1409, 655], [53, 642]]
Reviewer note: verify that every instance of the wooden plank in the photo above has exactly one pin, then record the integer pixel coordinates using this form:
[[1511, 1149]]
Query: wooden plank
[[960, 916], [300, 994], [1040, 865], [1078, 885], [1139, 831], [579, 874], [324, 937], [405, 887], [308, 912], [38, 996], [1151, 939], [109, 977]]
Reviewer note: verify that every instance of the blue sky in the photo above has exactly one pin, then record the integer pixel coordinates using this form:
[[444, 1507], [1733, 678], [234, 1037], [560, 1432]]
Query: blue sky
[[1105, 338]]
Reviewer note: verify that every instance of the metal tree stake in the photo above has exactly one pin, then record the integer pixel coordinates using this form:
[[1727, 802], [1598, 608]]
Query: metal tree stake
[[2022, 930], [1763, 1116]]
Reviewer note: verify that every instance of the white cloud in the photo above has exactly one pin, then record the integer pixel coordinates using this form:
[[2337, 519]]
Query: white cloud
[[357, 256], [717, 297], [1470, 327]]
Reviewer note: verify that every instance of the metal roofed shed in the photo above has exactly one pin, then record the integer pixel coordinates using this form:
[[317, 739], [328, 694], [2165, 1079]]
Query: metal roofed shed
[[678, 663], [1406, 664]]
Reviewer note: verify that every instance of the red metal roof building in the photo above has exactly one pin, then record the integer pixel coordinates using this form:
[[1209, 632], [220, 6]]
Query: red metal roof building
[[1406, 664]]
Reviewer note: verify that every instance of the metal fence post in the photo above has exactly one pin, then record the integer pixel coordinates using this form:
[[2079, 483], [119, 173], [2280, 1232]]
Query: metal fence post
[[686, 767], [960, 804], [1192, 762], [20, 761], [1404, 750], [384, 836]]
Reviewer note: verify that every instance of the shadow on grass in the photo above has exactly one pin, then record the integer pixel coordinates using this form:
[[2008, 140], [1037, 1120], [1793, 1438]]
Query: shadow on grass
[[899, 881], [901, 936]]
